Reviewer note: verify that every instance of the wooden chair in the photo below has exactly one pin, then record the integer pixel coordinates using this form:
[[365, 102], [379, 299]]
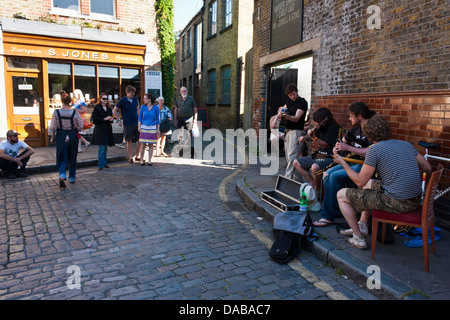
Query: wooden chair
[[423, 218]]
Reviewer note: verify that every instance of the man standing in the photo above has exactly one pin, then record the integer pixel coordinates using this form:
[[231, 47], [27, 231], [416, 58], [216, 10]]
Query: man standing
[[185, 110], [336, 178], [10, 159], [294, 123], [129, 109]]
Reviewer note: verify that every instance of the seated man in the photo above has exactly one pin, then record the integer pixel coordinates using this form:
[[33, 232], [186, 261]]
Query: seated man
[[326, 133], [13, 163], [399, 188], [336, 178]]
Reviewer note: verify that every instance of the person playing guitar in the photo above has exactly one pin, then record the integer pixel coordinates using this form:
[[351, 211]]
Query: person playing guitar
[[325, 134], [336, 178]]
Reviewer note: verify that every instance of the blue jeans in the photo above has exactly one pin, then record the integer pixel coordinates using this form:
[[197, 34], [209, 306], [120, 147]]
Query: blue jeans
[[102, 159], [63, 161], [336, 180]]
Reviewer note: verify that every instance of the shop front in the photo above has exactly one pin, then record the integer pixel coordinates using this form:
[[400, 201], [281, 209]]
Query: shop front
[[37, 68]]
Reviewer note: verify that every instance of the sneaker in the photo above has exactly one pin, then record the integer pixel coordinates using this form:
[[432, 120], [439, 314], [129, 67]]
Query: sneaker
[[121, 145], [62, 184], [362, 228], [357, 242], [20, 174]]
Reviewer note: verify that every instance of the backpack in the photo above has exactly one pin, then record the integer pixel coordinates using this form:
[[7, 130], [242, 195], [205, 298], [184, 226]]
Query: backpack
[[289, 228]]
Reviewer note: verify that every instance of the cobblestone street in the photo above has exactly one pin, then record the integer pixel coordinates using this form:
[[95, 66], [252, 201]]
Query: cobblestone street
[[175, 230]]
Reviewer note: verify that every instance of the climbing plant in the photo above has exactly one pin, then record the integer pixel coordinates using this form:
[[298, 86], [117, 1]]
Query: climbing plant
[[164, 17]]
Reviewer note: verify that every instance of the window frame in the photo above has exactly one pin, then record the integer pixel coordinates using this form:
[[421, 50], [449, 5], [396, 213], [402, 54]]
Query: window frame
[[225, 83], [227, 14], [212, 13], [212, 87]]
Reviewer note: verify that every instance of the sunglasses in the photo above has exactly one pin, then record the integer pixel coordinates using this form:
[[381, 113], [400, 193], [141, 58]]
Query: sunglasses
[[104, 98]]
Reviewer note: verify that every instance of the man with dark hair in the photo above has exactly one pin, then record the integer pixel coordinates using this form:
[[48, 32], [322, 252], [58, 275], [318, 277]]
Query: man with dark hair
[[10, 159], [129, 109], [335, 178], [399, 189], [293, 117]]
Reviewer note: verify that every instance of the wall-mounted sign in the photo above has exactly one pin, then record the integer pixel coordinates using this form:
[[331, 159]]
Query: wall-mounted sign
[[71, 54], [153, 83], [286, 23]]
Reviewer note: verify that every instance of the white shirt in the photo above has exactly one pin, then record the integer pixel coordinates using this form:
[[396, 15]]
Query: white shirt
[[12, 149]]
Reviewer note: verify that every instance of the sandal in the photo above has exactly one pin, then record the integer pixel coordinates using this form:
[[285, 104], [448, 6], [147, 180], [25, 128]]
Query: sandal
[[86, 146], [131, 161], [323, 223]]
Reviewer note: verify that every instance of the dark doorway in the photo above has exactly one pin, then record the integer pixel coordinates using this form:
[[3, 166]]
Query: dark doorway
[[278, 80]]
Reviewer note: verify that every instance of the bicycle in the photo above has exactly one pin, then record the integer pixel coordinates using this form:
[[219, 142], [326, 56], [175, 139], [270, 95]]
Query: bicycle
[[427, 146]]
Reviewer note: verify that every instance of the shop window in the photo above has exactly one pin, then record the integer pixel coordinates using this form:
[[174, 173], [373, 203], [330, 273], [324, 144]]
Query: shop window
[[67, 4], [23, 63], [108, 82], [86, 81], [131, 77], [103, 7], [226, 84], [59, 78]]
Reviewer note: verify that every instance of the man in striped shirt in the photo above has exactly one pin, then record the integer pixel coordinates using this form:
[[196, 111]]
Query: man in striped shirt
[[399, 188]]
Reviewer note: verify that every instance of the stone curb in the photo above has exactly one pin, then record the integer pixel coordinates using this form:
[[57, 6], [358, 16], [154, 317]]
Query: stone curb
[[328, 252]]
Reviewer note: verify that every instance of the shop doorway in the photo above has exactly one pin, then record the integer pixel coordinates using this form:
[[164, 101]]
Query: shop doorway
[[25, 107]]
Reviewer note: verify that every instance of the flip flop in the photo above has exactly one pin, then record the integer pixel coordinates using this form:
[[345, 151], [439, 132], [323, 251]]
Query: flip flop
[[322, 223]]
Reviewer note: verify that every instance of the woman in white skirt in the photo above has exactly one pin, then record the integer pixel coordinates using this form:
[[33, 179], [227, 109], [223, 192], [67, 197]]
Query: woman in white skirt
[[148, 126]]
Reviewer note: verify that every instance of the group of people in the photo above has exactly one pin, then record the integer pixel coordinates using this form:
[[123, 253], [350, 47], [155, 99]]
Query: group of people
[[363, 171], [148, 125]]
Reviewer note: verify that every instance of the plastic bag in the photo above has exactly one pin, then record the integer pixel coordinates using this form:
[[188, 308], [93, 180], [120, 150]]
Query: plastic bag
[[195, 130]]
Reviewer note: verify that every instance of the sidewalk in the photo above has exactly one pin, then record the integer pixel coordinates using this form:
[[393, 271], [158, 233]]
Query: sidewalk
[[402, 269]]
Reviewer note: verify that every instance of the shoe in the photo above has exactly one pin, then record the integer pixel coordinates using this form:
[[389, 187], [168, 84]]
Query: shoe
[[130, 161], [100, 169], [10, 176], [143, 164], [19, 174], [357, 242], [362, 228], [149, 164], [86, 146], [121, 145], [107, 167], [80, 151], [62, 184], [137, 159], [323, 223], [71, 180]]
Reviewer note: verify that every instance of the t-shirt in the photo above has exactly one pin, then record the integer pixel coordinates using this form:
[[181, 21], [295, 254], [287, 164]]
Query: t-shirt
[[186, 107], [12, 149], [292, 107], [396, 164], [129, 112], [330, 135], [356, 137]]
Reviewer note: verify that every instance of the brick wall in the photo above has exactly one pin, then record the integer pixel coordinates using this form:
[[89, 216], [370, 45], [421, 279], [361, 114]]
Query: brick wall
[[130, 15], [400, 69]]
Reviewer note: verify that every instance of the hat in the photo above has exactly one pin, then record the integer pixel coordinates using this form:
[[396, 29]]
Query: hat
[[11, 133], [313, 202]]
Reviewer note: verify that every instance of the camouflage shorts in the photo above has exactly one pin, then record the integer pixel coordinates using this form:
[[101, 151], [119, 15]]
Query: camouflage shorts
[[374, 198]]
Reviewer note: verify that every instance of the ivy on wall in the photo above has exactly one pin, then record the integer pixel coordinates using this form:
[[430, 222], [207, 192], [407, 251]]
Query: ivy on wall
[[164, 18]]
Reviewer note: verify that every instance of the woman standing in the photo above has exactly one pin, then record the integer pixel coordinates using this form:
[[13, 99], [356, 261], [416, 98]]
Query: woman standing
[[102, 118], [165, 116], [66, 123], [148, 126], [80, 105]]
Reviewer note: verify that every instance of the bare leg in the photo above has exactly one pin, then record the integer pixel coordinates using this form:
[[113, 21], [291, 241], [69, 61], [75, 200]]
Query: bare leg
[[348, 212], [305, 174]]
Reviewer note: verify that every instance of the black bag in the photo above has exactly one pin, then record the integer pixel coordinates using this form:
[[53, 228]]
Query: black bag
[[289, 228], [286, 246], [164, 126]]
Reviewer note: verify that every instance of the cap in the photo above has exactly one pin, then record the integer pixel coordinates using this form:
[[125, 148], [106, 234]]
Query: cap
[[11, 133]]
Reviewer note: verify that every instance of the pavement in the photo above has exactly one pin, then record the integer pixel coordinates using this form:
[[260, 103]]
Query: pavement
[[401, 269]]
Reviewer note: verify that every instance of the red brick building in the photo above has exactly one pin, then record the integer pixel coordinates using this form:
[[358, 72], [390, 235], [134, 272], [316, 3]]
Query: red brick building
[[91, 45], [393, 55]]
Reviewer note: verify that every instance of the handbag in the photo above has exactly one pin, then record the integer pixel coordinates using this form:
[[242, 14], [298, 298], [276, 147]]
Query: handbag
[[164, 126]]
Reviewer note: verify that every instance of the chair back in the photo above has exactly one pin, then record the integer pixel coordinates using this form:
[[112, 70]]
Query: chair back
[[428, 202]]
